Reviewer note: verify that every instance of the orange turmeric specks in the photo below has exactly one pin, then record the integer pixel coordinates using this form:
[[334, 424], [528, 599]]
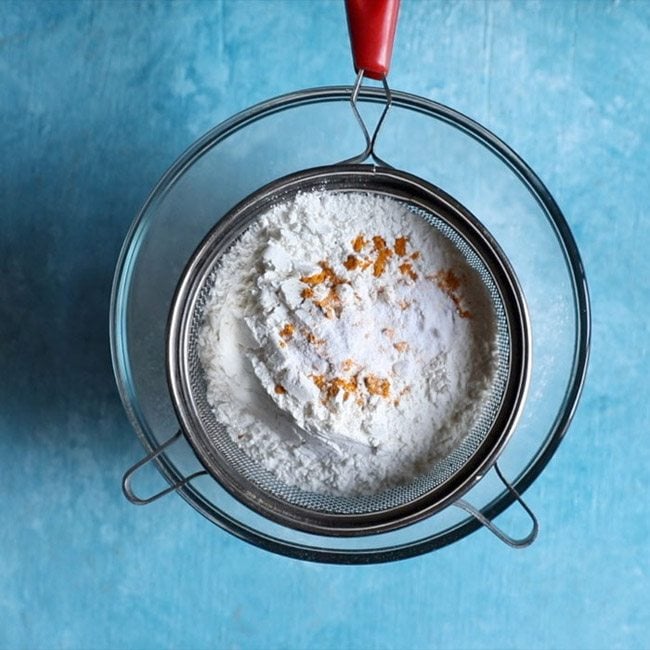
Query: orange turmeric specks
[[347, 365], [312, 338], [380, 263], [407, 269], [449, 282], [379, 243], [394, 262], [330, 388], [380, 255], [377, 385], [287, 332], [364, 264], [383, 255], [320, 381], [351, 263], [358, 243], [400, 246], [330, 303], [326, 275]]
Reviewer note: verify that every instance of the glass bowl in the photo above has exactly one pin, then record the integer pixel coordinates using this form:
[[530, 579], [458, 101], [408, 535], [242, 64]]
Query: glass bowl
[[312, 128]]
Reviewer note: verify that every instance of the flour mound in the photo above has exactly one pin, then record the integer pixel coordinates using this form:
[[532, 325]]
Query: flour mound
[[346, 343]]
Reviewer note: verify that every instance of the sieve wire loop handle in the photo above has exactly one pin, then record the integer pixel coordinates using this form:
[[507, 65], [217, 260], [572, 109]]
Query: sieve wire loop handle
[[369, 150], [128, 476], [504, 537], [372, 25]]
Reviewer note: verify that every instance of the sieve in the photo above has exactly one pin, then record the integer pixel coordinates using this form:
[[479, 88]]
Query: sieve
[[449, 478]]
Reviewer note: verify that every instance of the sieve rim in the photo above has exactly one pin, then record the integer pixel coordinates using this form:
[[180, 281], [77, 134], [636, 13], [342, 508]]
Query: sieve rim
[[422, 194]]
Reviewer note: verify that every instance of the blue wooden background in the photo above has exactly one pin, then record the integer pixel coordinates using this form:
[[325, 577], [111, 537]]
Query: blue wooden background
[[96, 100]]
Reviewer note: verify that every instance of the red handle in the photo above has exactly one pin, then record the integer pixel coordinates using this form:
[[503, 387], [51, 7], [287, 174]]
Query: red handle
[[372, 26]]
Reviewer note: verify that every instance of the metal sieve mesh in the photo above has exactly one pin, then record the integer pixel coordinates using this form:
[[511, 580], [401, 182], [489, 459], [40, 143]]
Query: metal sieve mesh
[[448, 477]]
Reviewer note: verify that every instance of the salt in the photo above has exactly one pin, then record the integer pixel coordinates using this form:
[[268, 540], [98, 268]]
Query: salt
[[346, 343]]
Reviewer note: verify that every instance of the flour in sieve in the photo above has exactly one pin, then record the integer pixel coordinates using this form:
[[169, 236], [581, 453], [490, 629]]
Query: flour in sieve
[[346, 343]]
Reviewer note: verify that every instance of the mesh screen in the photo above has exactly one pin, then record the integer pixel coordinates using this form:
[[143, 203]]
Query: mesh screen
[[224, 451]]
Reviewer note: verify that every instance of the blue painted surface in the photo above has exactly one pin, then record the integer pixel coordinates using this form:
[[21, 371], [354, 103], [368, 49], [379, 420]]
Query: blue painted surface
[[96, 100]]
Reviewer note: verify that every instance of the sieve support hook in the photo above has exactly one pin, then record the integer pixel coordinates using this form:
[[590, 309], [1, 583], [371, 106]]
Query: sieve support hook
[[504, 537], [369, 151], [128, 476]]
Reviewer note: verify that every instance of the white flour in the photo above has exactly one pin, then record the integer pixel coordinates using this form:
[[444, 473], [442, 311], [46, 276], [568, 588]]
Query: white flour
[[346, 343]]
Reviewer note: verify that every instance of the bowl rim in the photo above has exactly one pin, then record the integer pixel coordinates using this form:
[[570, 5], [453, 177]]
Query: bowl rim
[[573, 262]]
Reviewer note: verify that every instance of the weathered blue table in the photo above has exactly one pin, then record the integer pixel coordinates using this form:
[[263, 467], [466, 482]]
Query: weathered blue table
[[97, 99]]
